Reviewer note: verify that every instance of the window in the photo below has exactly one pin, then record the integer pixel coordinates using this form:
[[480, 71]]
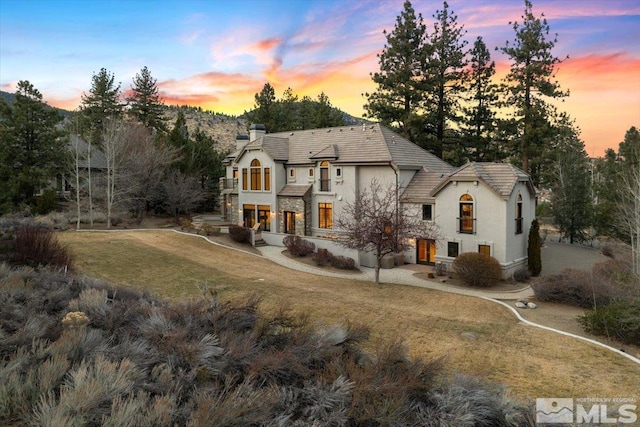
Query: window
[[325, 215], [325, 182], [264, 217], [310, 172], [484, 249], [256, 175], [519, 214], [267, 179], [452, 249], [427, 212], [339, 172], [235, 173], [292, 173], [466, 221], [245, 180]]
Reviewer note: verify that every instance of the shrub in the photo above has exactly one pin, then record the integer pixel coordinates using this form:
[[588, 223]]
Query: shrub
[[115, 221], [607, 251], [534, 253], [477, 269], [209, 230], [343, 262], [573, 287], [240, 234], [323, 257], [186, 224], [298, 246], [47, 202], [35, 245], [620, 320], [521, 275]]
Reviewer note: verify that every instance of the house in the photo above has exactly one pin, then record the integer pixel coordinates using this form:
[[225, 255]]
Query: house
[[297, 183]]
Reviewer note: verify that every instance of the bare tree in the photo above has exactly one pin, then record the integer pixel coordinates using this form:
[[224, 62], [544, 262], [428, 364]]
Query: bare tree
[[181, 193], [375, 223], [115, 139], [628, 215], [147, 164], [75, 171]]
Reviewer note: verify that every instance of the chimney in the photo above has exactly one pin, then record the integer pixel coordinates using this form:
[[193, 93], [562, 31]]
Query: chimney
[[256, 131], [241, 141]]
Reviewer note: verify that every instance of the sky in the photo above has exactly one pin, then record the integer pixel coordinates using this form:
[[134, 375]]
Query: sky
[[218, 54]]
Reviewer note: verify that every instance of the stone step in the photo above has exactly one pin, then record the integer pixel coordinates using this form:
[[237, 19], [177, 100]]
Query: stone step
[[259, 243]]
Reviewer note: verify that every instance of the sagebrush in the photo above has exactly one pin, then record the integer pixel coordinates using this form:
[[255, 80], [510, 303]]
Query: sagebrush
[[128, 359]]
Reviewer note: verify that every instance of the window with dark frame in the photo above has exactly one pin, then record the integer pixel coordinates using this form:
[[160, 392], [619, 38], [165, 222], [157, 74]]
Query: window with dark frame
[[325, 182], [466, 219], [484, 249], [453, 249], [325, 215], [519, 214], [427, 212]]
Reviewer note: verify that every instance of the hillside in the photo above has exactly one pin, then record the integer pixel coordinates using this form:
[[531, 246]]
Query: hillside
[[10, 98], [222, 128], [219, 127]]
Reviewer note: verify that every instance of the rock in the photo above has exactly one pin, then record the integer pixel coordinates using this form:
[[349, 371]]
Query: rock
[[521, 304], [531, 305], [431, 276], [469, 335]]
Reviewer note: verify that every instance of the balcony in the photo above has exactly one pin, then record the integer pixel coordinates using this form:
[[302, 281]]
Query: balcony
[[466, 225], [228, 183]]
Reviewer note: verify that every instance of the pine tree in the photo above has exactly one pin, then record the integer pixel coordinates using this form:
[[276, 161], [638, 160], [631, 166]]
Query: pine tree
[[33, 150], [534, 249], [264, 111], [397, 101], [325, 114], [145, 103], [530, 83], [100, 104], [479, 117], [444, 81], [571, 199]]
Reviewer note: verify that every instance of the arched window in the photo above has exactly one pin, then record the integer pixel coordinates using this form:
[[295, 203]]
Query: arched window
[[256, 175], [325, 182], [519, 214], [466, 221]]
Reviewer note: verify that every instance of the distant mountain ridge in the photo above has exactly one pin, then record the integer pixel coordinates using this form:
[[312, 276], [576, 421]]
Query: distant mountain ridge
[[220, 127]]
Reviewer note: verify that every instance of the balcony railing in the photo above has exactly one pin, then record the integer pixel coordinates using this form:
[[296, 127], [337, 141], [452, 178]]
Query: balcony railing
[[466, 225], [228, 183], [325, 184]]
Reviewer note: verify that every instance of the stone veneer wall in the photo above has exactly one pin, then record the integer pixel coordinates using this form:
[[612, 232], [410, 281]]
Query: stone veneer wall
[[234, 217], [293, 204]]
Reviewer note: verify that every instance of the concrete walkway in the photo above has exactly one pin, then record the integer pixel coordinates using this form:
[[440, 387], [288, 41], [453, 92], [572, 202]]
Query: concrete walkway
[[398, 275]]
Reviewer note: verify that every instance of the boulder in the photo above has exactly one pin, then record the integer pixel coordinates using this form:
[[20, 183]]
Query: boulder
[[521, 304], [469, 335], [531, 305]]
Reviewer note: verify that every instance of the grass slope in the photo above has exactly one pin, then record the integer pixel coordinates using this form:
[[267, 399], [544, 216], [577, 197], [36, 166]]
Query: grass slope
[[531, 362]]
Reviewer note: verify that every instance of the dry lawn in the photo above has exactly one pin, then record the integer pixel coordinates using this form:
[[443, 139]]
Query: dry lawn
[[529, 361]]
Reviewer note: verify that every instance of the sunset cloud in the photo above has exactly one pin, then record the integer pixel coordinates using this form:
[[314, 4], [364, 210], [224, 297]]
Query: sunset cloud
[[217, 55]]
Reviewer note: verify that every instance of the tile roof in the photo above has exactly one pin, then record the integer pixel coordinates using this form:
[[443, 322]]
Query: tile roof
[[98, 160], [501, 177], [422, 185], [371, 143], [292, 190]]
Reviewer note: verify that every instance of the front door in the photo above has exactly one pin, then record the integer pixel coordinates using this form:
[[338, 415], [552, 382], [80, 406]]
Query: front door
[[289, 222], [426, 249]]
